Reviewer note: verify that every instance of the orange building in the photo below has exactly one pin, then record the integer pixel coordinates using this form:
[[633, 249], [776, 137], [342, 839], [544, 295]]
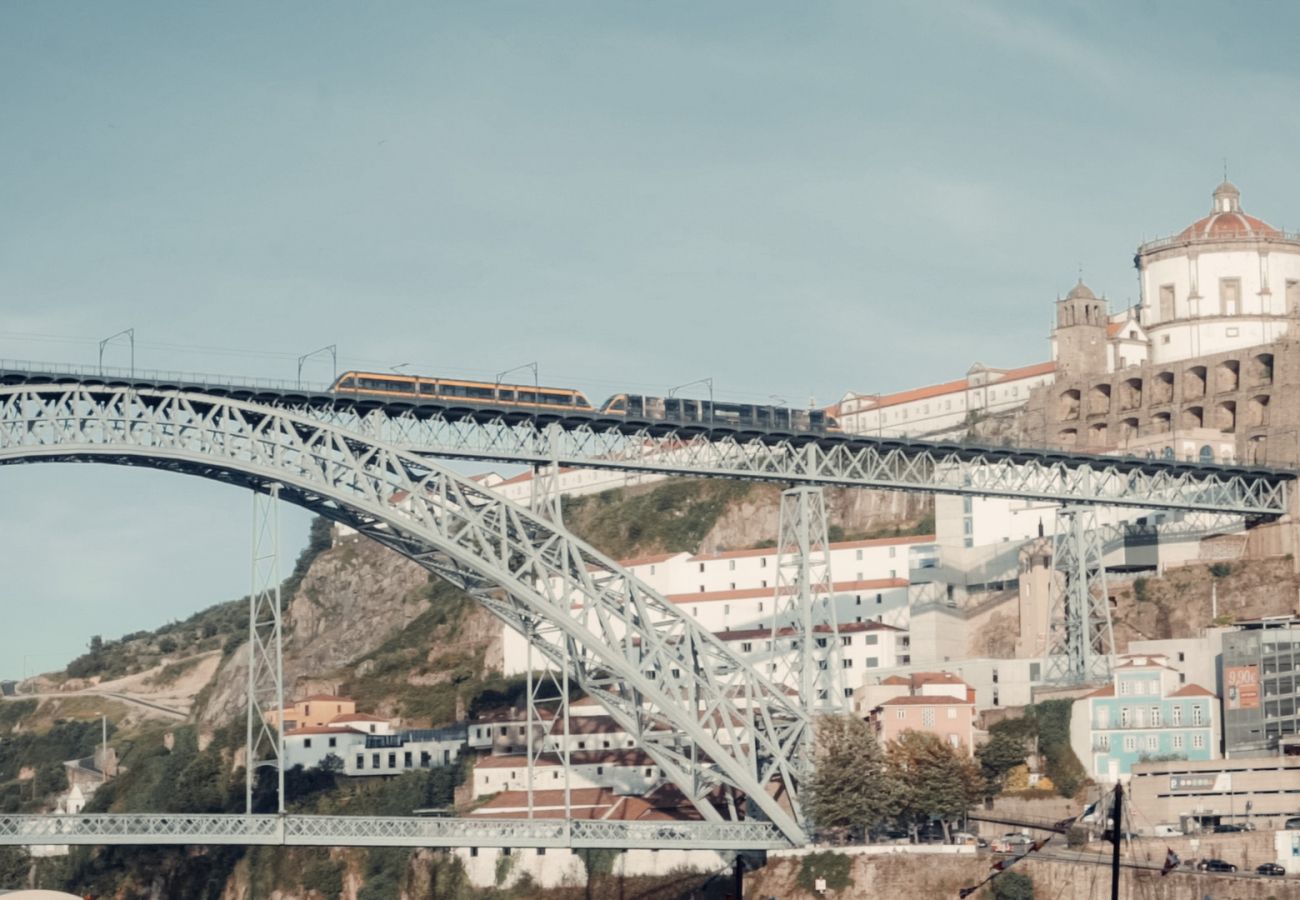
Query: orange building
[[315, 711], [937, 702]]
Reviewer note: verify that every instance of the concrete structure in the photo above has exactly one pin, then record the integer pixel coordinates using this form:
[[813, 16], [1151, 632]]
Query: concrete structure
[[996, 683], [1205, 793], [627, 771], [1145, 712], [363, 753]]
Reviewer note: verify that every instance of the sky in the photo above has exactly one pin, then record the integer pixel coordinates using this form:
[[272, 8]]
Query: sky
[[795, 200]]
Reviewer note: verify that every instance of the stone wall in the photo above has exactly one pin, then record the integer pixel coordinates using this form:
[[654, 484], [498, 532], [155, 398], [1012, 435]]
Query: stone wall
[[1247, 399]]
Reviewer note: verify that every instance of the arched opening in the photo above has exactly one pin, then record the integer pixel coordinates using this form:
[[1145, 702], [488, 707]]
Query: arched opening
[[1261, 369], [1128, 429], [1257, 449], [1227, 377], [1257, 411], [1167, 453], [1192, 417], [1225, 416], [1194, 383], [1206, 455], [1160, 423], [1097, 435], [1130, 393], [1068, 437], [1068, 405], [1162, 391], [1099, 400]]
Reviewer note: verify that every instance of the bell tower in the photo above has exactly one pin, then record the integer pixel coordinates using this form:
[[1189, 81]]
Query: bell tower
[[1080, 333]]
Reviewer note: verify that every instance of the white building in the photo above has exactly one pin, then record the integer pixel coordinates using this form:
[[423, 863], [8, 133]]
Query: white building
[[942, 409], [626, 771], [363, 753], [1227, 281]]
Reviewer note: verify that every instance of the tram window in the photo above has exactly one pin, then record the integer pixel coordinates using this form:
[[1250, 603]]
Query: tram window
[[479, 393], [506, 396]]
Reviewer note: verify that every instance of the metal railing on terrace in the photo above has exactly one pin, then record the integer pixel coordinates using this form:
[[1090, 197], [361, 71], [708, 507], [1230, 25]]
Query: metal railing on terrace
[[1174, 240]]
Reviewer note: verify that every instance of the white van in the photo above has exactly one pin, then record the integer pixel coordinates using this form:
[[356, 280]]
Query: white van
[[1166, 831]]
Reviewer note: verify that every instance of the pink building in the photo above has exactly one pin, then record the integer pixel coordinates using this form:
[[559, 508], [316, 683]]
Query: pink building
[[937, 702]]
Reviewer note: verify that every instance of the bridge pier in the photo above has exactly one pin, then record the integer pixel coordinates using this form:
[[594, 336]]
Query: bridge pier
[[1080, 643], [265, 743]]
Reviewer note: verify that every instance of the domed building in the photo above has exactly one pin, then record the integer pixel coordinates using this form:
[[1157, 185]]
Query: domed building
[[1201, 368], [1227, 281]]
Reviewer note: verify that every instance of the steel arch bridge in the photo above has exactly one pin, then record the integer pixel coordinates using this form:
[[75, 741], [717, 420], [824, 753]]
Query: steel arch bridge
[[720, 731]]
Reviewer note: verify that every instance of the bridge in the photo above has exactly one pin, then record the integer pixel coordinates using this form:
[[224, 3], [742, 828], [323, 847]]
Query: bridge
[[733, 742]]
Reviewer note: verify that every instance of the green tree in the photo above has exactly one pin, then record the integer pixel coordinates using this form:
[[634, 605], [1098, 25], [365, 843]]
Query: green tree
[[848, 790], [1013, 886], [1000, 754], [931, 779]]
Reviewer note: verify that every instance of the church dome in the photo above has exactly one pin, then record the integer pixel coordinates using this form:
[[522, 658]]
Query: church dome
[[1081, 292], [1226, 220]]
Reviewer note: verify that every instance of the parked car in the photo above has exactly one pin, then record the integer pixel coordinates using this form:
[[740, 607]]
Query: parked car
[[1227, 829], [1215, 865], [1292, 824], [1167, 831], [1270, 869], [1015, 838]]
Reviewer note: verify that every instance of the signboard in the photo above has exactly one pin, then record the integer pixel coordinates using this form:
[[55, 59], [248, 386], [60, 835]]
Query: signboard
[[1241, 683], [1216, 782]]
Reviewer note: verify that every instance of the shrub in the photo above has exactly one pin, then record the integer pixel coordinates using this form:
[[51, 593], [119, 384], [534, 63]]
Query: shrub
[[1140, 592], [1013, 886], [1221, 569]]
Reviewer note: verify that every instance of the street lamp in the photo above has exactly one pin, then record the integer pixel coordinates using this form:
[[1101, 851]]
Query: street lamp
[[129, 334], [331, 349]]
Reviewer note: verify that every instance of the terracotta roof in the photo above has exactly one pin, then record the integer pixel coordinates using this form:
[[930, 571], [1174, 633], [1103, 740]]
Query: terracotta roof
[[914, 700], [840, 545], [754, 593], [326, 698], [1227, 224], [1192, 690], [647, 560], [747, 634], [897, 679], [954, 387], [1106, 691], [320, 729], [935, 678], [613, 757], [358, 717]]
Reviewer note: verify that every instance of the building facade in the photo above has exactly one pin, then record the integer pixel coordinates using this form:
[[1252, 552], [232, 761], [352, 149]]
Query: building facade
[[1144, 713], [1261, 685]]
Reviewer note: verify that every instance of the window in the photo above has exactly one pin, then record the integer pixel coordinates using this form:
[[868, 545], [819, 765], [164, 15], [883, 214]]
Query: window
[[334, 742], [746, 647], [871, 639], [701, 567], [731, 565], [848, 663], [1178, 742], [392, 760], [306, 742], [1153, 742], [1196, 715], [1155, 717], [1176, 715], [1198, 741], [1123, 688], [1166, 302], [1103, 742], [847, 640], [872, 662], [374, 760], [880, 598], [900, 713], [1123, 717], [1229, 296], [952, 713], [652, 570], [1130, 743], [858, 555], [406, 759], [361, 761], [762, 562], [927, 717], [726, 607]]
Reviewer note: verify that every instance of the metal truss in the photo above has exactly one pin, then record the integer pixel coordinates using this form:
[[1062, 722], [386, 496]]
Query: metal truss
[[805, 604], [835, 460], [1080, 642], [717, 451], [719, 730], [387, 831], [265, 743]]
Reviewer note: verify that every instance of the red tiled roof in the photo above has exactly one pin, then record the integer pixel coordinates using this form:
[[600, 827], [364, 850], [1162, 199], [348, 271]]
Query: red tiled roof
[[961, 384], [1105, 691], [1192, 690], [921, 700], [647, 560], [612, 757], [1227, 224], [319, 729], [897, 679], [935, 678], [754, 593]]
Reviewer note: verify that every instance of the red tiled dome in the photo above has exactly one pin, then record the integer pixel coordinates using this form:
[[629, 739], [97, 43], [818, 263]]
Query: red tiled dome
[[1226, 220]]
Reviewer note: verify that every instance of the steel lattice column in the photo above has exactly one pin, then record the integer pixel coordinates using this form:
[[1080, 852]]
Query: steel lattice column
[[1080, 643], [265, 743], [544, 497], [805, 603]]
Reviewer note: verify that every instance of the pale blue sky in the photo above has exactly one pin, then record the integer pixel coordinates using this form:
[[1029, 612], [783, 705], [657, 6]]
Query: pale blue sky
[[796, 199]]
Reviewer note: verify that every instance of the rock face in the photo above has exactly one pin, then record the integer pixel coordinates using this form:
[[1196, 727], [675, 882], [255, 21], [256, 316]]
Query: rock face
[[354, 597], [755, 520]]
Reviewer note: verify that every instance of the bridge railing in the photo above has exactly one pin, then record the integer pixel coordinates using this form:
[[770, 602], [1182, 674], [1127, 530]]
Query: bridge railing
[[381, 831], [202, 379]]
